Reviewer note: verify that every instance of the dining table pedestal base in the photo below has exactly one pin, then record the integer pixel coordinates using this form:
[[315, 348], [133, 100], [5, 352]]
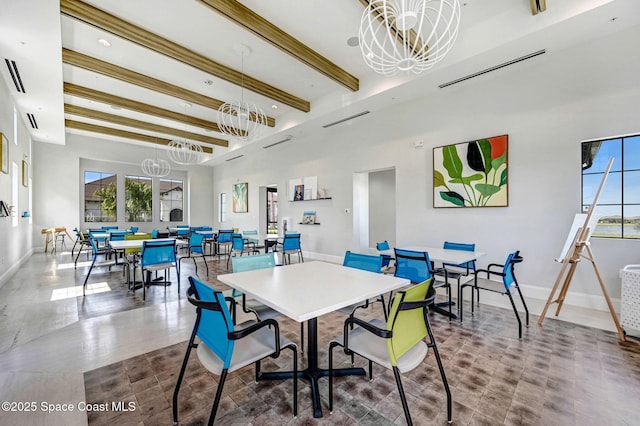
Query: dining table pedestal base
[[313, 373]]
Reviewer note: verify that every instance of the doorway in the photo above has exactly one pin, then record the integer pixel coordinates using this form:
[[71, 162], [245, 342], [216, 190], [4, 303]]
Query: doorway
[[374, 209], [272, 210]]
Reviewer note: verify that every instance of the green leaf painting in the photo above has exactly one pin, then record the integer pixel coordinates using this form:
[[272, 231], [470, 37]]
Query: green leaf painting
[[471, 174], [241, 197]]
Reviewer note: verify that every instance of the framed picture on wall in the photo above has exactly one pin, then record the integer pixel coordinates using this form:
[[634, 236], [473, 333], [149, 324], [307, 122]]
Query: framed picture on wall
[[241, 197], [471, 174], [25, 173], [4, 154]]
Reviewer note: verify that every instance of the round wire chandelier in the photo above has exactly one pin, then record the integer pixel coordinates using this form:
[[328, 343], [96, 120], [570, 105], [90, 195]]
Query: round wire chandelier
[[184, 152], [407, 35], [239, 119], [155, 168]]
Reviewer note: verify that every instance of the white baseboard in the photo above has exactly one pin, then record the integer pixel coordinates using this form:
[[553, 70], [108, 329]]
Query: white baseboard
[[8, 273]]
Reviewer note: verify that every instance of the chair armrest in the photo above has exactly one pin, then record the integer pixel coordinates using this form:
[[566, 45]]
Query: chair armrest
[[255, 327], [385, 334], [489, 272]]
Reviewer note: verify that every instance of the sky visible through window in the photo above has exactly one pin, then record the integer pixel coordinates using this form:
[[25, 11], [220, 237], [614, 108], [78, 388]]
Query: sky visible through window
[[619, 202]]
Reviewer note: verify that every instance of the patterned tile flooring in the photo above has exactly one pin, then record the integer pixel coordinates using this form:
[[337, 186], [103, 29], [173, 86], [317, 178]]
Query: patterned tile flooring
[[560, 374]]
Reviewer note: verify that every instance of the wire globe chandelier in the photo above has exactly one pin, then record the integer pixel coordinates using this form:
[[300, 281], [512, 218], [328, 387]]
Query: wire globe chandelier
[[182, 151], [239, 119], [155, 168], [407, 35]]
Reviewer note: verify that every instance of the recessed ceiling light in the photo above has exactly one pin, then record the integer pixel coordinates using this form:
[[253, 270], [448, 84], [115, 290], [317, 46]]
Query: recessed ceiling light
[[208, 82], [614, 19], [104, 42], [353, 41], [115, 107], [274, 106]]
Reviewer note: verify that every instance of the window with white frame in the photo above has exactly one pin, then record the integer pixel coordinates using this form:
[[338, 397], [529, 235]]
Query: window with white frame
[[139, 193], [222, 207], [171, 200], [618, 207]]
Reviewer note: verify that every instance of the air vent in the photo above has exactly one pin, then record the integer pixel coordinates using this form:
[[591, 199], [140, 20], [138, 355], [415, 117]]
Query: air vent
[[32, 120], [15, 75], [496, 67], [346, 119], [286, 139], [235, 158]]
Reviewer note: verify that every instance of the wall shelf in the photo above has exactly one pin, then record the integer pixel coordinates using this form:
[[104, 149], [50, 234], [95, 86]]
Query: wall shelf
[[300, 223], [314, 199]]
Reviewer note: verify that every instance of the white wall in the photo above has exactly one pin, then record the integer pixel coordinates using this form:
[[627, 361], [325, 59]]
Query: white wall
[[382, 207], [16, 243], [546, 107], [59, 180]]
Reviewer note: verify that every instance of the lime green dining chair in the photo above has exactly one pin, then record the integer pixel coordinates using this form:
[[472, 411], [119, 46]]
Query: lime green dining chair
[[398, 345]]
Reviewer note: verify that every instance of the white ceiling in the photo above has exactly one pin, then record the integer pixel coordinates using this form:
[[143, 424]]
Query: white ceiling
[[33, 33]]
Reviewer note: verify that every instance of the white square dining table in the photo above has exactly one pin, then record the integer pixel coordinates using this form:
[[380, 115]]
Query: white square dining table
[[305, 291]]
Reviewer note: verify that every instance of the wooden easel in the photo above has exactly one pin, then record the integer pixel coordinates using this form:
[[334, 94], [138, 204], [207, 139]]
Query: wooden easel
[[570, 262]]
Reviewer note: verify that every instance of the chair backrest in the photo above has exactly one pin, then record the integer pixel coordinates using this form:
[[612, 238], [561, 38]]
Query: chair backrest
[[182, 230], [133, 229], [106, 228], [135, 237], [94, 246], [365, 262], [250, 263], [237, 242], [195, 243], [117, 236], [413, 265], [464, 247], [508, 277], [154, 233], [224, 235], [291, 241], [157, 252], [215, 324], [250, 232], [384, 245], [408, 319]]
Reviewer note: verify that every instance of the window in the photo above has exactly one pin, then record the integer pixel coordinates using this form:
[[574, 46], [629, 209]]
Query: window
[[138, 190], [100, 200], [619, 203], [222, 207], [171, 204]]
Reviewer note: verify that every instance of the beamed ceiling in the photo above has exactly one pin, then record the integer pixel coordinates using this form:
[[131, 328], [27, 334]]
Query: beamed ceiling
[[171, 63]]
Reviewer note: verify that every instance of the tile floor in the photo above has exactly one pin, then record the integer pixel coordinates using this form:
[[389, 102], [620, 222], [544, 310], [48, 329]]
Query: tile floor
[[111, 346]]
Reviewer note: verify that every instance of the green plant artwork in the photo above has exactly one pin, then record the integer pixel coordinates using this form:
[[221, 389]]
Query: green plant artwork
[[241, 197], [471, 174]]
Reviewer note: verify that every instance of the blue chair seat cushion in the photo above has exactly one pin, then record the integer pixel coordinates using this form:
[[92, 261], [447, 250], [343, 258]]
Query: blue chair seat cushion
[[370, 346], [246, 351]]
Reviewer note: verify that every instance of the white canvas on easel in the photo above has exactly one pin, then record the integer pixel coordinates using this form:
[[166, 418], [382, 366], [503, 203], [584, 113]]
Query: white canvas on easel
[[578, 221]]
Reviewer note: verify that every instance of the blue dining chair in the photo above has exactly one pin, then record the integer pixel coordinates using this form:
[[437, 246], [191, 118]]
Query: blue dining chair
[[158, 255], [417, 267], [365, 262], [383, 246], [223, 244], [251, 263], [225, 347], [290, 245], [238, 247], [460, 272], [195, 250], [509, 285]]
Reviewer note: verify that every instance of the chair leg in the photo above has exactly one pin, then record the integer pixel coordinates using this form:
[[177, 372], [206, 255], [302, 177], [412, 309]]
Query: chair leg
[[432, 344], [526, 309], [403, 398], [216, 401], [331, 346], [190, 346], [515, 311], [84, 285]]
